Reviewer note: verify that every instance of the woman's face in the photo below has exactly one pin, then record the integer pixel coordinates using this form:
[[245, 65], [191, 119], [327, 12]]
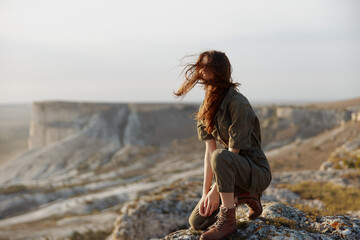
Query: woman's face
[[204, 72]]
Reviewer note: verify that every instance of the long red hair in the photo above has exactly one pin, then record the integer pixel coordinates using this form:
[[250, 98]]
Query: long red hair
[[216, 88]]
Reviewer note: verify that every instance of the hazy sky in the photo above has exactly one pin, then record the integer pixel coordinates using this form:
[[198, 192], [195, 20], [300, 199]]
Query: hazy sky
[[120, 51]]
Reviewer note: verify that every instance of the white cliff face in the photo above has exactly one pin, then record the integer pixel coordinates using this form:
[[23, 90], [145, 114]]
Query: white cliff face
[[68, 137], [283, 125], [135, 124], [132, 133], [142, 124], [53, 121], [62, 157]]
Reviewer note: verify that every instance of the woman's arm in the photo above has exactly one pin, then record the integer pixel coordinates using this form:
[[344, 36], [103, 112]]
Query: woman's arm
[[208, 173], [210, 199]]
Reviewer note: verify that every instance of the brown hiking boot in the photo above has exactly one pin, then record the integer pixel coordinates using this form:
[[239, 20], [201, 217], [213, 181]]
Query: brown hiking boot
[[252, 201], [224, 226]]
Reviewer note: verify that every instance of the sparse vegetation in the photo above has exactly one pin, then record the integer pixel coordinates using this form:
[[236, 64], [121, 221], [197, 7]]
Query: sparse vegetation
[[90, 235], [278, 164], [13, 189], [346, 163], [354, 176], [281, 221], [313, 213], [316, 147], [285, 222], [195, 232], [278, 222], [338, 199], [35, 189], [344, 158]]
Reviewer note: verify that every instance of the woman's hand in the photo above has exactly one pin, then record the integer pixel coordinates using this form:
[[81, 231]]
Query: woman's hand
[[209, 202]]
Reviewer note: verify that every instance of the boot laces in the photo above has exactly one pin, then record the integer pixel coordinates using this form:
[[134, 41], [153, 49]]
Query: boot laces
[[221, 218]]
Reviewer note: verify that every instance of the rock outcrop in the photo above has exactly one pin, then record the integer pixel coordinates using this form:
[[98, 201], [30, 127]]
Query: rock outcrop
[[283, 125], [67, 139], [158, 212], [164, 211], [345, 156], [134, 124], [280, 221]]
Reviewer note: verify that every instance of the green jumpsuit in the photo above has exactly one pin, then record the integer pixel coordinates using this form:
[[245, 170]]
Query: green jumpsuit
[[236, 126]]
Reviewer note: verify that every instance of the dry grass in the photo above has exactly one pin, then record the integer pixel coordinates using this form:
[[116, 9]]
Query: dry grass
[[345, 160], [281, 221], [352, 175], [13, 189], [195, 232], [90, 235], [337, 198], [314, 213]]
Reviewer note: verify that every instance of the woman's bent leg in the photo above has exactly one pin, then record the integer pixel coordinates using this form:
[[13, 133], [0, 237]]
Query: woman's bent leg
[[230, 169]]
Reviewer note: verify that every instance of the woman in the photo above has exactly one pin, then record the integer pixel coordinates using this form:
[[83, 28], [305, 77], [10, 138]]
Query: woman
[[241, 170]]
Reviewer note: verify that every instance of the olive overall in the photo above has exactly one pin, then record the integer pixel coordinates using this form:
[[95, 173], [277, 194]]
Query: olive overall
[[236, 126]]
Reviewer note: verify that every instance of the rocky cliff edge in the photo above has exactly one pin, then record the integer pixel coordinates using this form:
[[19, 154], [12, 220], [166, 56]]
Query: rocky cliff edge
[[164, 213]]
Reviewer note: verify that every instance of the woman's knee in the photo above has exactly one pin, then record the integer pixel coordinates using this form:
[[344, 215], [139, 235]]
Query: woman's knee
[[194, 217], [199, 222], [219, 158], [193, 223]]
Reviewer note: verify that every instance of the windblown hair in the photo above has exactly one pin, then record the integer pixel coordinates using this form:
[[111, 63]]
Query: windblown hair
[[216, 88]]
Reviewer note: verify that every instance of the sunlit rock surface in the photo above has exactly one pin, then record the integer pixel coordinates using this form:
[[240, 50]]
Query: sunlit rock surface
[[164, 213], [280, 221]]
